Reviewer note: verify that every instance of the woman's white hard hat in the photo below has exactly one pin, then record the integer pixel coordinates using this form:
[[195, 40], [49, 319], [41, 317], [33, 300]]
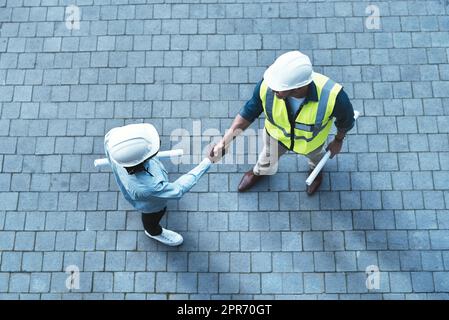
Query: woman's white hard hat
[[290, 71], [132, 144]]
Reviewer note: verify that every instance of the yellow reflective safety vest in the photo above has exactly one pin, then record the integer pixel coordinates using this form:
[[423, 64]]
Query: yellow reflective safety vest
[[311, 125]]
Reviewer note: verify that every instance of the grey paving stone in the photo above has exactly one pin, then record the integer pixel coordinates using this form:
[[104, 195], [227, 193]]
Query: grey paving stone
[[229, 283], [397, 240], [335, 282], [396, 164], [282, 262], [11, 261], [324, 261], [400, 282], [355, 240], [32, 261], [123, 281], [440, 281], [166, 282], [19, 282], [389, 261], [240, 262], [314, 283]]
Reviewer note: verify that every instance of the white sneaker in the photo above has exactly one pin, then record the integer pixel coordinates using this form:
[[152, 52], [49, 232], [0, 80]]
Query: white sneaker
[[167, 237]]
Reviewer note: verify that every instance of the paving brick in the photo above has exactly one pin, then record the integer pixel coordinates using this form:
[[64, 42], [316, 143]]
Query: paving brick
[[24, 241], [397, 240], [324, 261], [389, 261], [218, 262], [432, 261], [11, 261], [250, 283], [103, 281], [426, 219], [52, 261], [405, 219], [314, 283], [229, 282], [312, 241], [400, 282], [19, 282], [186, 282], [209, 241], [271, 283], [333, 241], [396, 162], [282, 262], [7, 240], [250, 241], [32, 261], [123, 281], [126, 240], [335, 282], [410, 260], [345, 261], [240, 262], [355, 240]]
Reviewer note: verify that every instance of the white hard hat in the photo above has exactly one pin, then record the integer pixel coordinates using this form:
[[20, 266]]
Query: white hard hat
[[290, 71], [132, 144]]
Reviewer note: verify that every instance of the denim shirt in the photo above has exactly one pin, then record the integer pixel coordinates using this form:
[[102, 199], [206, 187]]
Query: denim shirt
[[149, 191]]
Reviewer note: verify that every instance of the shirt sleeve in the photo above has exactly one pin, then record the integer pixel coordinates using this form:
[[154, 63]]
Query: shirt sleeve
[[176, 189], [253, 107], [343, 112]]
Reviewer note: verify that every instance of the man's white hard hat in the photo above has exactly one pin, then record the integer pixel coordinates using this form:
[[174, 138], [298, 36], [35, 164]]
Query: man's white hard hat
[[290, 71], [132, 144]]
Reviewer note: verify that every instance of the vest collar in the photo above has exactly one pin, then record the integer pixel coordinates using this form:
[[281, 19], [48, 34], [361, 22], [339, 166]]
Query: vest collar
[[313, 94]]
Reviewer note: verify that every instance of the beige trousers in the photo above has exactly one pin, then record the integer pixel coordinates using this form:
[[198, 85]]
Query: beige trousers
[[267, 162]]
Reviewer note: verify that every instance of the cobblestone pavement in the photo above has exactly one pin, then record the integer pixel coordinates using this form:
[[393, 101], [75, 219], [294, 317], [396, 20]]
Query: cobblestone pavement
[[384, 201]]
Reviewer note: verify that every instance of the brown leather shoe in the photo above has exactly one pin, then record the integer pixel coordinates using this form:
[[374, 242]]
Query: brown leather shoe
[[249, 179], [315, 184]]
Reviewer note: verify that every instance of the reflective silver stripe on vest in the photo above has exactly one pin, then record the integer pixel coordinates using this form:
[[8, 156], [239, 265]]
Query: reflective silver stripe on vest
[[304, 127], [322, 106], [269, 98]]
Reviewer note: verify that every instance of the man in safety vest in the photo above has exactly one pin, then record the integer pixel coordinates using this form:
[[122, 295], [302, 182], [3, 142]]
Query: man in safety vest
[[299, 106]]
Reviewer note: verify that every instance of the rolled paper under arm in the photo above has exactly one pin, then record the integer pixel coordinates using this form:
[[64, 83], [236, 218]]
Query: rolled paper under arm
[[162, 154]]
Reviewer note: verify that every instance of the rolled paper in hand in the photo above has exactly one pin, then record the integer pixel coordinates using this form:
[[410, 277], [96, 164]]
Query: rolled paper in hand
[[323, 160]]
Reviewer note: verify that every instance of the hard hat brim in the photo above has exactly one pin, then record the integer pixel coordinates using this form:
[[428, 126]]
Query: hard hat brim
[[148, 133], [276, 86]]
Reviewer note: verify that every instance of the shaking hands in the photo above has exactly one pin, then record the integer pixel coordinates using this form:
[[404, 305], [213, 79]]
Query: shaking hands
[[217, 151]]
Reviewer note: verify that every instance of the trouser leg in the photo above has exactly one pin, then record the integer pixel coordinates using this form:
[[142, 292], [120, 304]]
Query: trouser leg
[[267, 162], [315, 156], [151, 222]]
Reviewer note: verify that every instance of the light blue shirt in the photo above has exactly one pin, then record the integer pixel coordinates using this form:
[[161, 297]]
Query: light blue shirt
[[149, 192], [294, 104]]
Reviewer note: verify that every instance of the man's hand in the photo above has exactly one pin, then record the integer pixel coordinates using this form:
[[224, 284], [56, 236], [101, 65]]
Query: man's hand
[[217, 151], [335, 147]]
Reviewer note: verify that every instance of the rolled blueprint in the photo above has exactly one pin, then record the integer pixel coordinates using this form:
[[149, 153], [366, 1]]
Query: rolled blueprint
[[104, 162], [323, 160]]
